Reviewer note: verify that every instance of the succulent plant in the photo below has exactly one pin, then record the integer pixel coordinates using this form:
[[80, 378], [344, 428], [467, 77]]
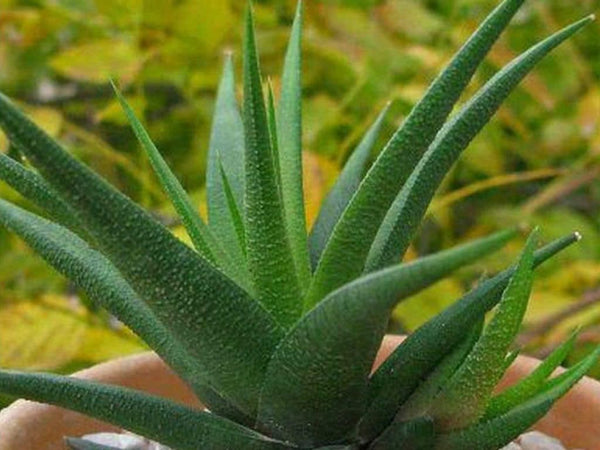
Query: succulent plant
[[276, 329]]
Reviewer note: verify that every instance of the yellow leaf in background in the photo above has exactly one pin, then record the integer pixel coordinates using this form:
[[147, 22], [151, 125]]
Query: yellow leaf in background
[[319, 175], [98, 61], [202, 36], [113, 112], [48, 119], [415, 311], [53, 332]]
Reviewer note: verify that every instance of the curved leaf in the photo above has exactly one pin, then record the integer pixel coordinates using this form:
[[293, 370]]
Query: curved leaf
[[400, 374], [226, 146], [465, 396], [495, 433], [289, 123], [316, 383], [269, 253], [403, 218], [204, 308], [346, 252], [342, 191], [417, 434], [158, 419]]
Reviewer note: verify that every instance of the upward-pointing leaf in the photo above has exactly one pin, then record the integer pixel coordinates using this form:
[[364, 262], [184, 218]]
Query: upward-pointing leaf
[[346, 252], [342, 191], [465, 396], [94, 274], [226, 146], [316, 384], [201, 305], [499, 431], [290, 150], [269, 254], [158, 419], [399, 375], [406, 213], [198, 231], [527, 387]]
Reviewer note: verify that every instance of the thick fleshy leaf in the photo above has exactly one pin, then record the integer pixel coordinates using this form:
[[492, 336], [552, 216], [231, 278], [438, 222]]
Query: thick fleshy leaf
[[407, 211], [316, 383], [346, 252], [419, 403], [95, 275], [34, 188], [226, 146], [396, 379], [155, 418], [270, 256], [204, 308], [466, 395], [289, 122], [273, 131], [527, 387], [199, 233], [417, 434], [495, 433], [342, 191]]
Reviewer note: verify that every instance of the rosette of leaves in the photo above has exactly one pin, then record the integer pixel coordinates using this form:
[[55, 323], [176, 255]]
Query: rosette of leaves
[[276, 329]]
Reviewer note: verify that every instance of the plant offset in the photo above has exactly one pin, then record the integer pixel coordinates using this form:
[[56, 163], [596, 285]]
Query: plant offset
[[274, 329]]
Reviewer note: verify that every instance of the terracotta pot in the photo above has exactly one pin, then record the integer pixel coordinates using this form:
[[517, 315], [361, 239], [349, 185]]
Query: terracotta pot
[[575, 419]]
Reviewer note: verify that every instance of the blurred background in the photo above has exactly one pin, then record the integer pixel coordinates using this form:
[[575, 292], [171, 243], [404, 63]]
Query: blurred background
[[537, 163]]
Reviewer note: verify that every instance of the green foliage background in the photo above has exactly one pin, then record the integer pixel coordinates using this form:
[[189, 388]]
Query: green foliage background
[[538, 162]]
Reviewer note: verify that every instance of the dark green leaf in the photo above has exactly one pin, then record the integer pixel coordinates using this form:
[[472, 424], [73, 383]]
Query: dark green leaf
[[342, 191], [34, 188], [316, 384], [400, 374], [289, 124], [155, 418], [204, 308], [234, 212], [199, 233], [403, 218], [346, 252], [417, 434], [270, 256], [226, 146], [94, 274], [465, 396], [421, 400]]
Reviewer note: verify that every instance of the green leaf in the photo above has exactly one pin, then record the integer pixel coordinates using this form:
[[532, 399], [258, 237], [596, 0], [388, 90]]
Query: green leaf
[[399, 375], [346, 252], [34, 188], [421, 400], [273, 133], [234, 212], [82, 444], [226, 146], [501, 430], [417, 434], [342, 191], [95, 275], [465, 396], [269, 253], [201, 305], [527, 387], [199, 233], [290, 150], [316, 384], [155, 418], [407, 211]]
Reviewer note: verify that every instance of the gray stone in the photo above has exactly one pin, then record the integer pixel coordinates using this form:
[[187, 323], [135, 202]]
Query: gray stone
[[534, 440]]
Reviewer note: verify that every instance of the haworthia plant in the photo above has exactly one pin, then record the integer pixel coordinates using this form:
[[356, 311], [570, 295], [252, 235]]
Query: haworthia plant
[[276, 329]]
